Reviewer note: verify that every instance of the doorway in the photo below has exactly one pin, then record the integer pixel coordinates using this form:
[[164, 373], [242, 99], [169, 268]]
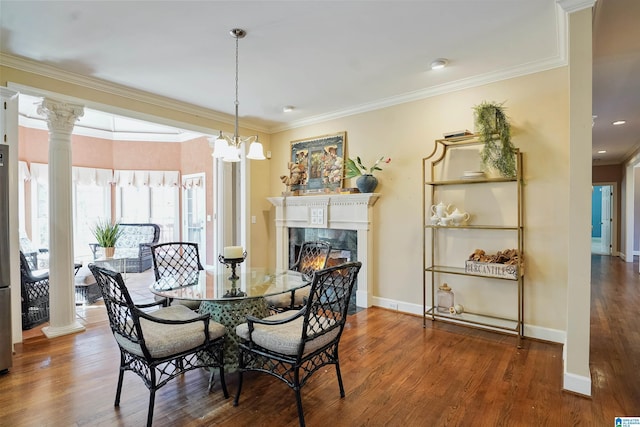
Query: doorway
[[602, 219], [194, 212]]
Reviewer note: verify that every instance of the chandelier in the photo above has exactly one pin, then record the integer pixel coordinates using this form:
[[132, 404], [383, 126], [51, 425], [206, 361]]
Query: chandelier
[[228, 148]]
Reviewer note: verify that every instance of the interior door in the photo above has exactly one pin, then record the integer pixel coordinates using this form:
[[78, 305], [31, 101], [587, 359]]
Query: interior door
[[194, 212], [605, 224]]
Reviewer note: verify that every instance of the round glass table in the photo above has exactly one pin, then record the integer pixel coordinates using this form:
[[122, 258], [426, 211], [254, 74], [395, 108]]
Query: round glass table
[[227, 301]]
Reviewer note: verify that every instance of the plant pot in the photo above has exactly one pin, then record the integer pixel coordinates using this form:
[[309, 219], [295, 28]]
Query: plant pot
[[108, 252], [366, 183]]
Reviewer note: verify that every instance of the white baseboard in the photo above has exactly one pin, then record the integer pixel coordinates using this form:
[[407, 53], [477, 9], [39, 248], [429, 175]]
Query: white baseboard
[[577, 384], [399, 306], [545, 334], [531, 331]]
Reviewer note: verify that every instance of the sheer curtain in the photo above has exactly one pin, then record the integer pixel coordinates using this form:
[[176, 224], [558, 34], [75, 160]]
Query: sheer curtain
[[91, 202], [149, 196]]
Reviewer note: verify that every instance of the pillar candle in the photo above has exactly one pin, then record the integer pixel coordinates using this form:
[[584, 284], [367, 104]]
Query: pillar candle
[[231, 252]]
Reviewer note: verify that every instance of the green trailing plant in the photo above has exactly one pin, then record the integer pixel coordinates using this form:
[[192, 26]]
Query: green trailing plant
[[355, 167], [494, 130], [106, 233]]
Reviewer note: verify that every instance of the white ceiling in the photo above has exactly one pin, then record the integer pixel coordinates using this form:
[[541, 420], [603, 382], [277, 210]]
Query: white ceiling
[[326, 58]]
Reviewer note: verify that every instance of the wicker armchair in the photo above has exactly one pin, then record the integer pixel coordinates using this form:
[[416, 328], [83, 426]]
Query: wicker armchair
[[159, 345], [293, 345], [177, 258], [313, 256], [34, 289]]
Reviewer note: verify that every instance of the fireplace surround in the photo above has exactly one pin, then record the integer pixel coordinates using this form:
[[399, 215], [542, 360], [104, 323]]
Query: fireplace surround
[[333, 212]]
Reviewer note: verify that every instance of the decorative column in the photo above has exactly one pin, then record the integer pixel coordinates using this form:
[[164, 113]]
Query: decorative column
[[61, 118]]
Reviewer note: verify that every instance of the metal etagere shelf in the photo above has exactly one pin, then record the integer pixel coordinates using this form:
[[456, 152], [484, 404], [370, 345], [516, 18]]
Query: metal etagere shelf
[[435, 264]]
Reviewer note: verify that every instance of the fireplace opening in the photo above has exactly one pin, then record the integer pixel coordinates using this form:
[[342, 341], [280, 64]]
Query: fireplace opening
[[344, 248]]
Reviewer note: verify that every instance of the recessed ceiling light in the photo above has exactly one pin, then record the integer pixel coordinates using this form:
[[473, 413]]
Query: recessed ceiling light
[[288, 108], [602, 151], [439, 64], [619, 122]]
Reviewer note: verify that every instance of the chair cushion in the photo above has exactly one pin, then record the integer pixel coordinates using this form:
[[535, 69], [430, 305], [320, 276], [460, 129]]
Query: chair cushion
[[279, 300], [300, 295], [163, 340], [285, 338]]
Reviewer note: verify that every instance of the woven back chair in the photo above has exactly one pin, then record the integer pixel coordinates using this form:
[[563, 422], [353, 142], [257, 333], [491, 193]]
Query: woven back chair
[[34, 290], [291, 346], [175, 258], [313, 256], [159, 345]]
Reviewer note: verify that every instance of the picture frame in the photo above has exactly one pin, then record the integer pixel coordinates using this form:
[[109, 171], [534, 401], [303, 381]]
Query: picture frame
[[323, 157]]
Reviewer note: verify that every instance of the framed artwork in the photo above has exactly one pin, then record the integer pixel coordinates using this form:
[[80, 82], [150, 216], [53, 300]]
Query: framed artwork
[[323, 158]]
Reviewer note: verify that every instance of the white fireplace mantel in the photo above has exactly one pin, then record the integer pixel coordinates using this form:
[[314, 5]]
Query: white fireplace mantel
[[332, 211]]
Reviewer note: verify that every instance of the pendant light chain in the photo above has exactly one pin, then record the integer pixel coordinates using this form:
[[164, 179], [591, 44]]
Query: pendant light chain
[[236, 136], [229, 148]]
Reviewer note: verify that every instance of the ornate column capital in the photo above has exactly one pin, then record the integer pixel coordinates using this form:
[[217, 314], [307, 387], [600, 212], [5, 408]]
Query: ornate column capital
[[61, 117]]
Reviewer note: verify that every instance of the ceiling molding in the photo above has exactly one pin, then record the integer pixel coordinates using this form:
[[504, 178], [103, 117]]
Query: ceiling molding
[[571, 6], [504, 74], [49, 71], [41, 124]]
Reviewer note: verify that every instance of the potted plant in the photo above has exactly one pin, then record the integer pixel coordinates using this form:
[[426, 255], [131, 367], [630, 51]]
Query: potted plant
[[106, 234], [494, 130], [366, 182]]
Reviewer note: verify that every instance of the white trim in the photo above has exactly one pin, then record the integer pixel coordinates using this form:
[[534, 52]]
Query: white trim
[[45, 70], [559, 60], [576, 383], [517, 71], [56, 331], [571, 6], [530, 331]]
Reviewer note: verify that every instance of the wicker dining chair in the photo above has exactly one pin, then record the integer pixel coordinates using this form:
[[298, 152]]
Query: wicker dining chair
[[162, 344], [313, 256], [293, 345], [177, 259]]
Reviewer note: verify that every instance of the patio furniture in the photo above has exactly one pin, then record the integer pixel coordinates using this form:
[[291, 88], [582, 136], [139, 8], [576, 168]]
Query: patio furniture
[[34, 291], [292, 345], [159, 345], [177, 258], [134, 244], [313, 256]]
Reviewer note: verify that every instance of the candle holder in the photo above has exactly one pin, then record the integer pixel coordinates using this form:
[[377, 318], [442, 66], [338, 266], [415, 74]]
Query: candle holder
[[234, 291], [232, 262]]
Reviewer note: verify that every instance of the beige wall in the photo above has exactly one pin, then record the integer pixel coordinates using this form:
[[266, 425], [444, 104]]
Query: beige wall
[[538, 107]]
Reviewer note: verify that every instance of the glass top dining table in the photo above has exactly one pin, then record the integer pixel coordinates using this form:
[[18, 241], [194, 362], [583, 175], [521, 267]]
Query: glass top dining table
[[210, 285], [227, 301]]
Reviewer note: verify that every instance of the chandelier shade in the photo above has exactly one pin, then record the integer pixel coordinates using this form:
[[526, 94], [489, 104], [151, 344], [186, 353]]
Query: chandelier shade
[[228, 148]]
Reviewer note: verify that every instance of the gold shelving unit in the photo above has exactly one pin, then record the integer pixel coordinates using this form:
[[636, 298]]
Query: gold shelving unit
[[435, 264]]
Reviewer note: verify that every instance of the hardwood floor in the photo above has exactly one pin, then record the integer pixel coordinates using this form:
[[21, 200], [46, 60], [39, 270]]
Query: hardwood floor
[[396, 373]]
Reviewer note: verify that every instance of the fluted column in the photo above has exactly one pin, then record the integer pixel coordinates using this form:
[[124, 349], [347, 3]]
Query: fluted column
[[61, 118]]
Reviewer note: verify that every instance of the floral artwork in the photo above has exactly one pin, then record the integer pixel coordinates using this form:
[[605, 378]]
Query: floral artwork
[[324, 159]]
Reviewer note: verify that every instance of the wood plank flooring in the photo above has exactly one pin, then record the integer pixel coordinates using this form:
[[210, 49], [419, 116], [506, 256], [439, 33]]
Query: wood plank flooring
[[396, 373]]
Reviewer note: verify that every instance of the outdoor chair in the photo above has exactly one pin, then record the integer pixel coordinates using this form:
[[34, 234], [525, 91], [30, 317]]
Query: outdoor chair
[[293, 345], [34, 290], [313, 256], [159, 345], [177, 259]]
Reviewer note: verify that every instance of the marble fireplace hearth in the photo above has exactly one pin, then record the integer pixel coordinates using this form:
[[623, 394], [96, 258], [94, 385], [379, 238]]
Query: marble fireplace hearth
[[330, 212]]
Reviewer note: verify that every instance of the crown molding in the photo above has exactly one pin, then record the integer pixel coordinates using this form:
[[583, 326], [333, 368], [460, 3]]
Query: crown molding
[[45, 70], [559, 61], [563, 8], [571, 6]]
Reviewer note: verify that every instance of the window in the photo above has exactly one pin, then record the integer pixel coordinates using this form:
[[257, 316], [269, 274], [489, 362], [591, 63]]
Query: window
[[40, 205], [149, 196], [91, 201]]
